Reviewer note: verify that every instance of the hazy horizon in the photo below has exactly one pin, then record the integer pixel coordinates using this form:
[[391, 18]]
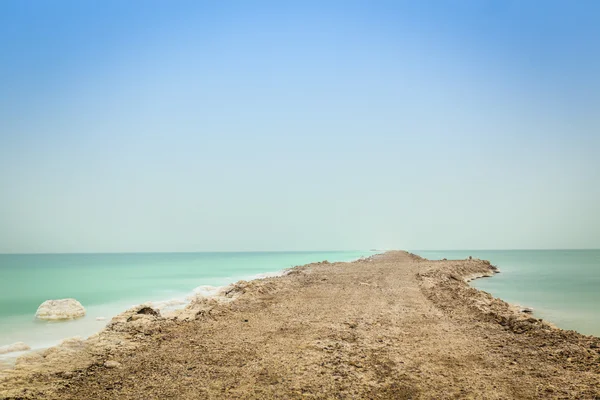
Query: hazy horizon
[[293, 251], [183, 127]]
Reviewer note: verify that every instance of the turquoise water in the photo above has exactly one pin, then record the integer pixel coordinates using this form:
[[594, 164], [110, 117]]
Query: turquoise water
[[107, 284], [562, 286]]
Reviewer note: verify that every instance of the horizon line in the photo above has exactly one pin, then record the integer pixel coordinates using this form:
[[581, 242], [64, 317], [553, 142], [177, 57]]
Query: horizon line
[[284, 251]]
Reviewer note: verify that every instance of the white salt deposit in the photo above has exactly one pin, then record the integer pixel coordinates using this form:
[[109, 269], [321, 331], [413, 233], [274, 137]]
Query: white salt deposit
[[205, 291], [161, 305], [60, 310], [269, 275], [11, 348]]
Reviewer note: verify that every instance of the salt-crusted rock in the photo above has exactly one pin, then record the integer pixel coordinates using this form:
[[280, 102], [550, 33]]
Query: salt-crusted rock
[[77, 354], [205, 291], [198, 308], [60, 309], [139, 319], [112, 364], [28, 359], [11, 348], [72, 343], [70, 354]]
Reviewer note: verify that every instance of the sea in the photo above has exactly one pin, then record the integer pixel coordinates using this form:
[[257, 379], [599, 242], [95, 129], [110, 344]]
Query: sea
[[562, 286], [108, 284]]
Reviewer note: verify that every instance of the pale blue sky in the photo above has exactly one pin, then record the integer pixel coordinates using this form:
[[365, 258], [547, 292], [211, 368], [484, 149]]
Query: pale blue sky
[[191, 126]]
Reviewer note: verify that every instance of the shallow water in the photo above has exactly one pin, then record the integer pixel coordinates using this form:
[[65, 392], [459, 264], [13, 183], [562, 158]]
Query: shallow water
[[107, 284], [562, 286]]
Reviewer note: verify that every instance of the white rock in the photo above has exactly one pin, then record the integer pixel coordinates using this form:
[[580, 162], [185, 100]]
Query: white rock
[[11, 348], [60, 309], [112, 364]]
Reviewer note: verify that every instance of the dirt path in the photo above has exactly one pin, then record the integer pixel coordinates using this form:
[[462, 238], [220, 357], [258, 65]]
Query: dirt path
[[394, 326]]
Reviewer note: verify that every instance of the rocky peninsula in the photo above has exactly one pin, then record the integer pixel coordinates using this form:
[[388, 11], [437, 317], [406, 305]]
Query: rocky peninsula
[[392, 326]]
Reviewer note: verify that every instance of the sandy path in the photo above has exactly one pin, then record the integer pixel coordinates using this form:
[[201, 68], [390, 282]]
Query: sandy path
[[393, 327]]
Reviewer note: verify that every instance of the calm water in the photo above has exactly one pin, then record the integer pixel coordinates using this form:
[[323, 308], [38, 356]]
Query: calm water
[[107, 284], [563, 286]]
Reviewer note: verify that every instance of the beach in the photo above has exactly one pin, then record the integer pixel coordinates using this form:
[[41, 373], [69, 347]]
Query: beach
[[393, 325], [108, 284]]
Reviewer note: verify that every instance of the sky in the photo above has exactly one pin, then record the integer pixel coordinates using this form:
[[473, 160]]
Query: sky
[[301, 125]]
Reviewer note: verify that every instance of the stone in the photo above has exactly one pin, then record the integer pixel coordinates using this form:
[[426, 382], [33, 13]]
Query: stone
[[53, 310], [112, 364], [12, 348], [148, 311], [139, 319]]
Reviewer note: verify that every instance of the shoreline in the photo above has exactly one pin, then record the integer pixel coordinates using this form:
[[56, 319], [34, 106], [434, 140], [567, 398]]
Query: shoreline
[[165, 306], [558, 285], [438, 288]]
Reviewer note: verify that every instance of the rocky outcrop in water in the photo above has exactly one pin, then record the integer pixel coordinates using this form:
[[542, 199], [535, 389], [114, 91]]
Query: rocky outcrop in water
[[60, 309]]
